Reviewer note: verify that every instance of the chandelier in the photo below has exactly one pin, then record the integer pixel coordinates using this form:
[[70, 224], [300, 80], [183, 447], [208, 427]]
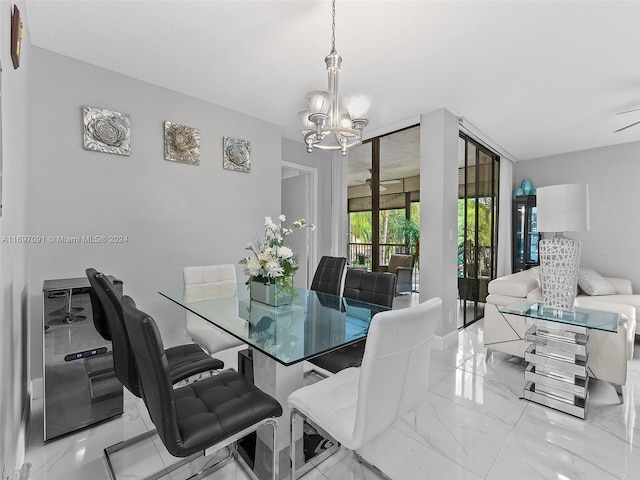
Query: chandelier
[[326, 125]]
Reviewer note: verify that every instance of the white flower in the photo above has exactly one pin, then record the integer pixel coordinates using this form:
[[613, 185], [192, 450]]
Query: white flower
[[285, 252], [274, 269], [253, 267], [270, 260], [265, 256]]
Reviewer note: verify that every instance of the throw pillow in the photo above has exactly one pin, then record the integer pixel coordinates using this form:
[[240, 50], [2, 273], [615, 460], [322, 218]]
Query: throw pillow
[[593, 283]]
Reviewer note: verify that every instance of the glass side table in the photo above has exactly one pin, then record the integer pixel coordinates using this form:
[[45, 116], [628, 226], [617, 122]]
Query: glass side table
[[556, 370]]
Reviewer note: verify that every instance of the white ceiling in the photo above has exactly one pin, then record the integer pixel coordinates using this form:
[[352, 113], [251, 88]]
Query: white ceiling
[[538, 78]]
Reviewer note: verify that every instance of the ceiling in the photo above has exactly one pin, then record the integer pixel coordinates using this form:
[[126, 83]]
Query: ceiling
[[537, 78]]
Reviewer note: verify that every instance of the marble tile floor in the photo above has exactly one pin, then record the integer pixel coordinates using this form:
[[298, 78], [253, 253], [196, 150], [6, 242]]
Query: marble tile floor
[[474, 425]]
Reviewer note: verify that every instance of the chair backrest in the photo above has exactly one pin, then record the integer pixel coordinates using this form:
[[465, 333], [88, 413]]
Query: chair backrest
[[371, 287], [155, 377], [123, 359], [100, 321], [204, 283], [398, 260], [329, 275], [209, 275], [395, 367]]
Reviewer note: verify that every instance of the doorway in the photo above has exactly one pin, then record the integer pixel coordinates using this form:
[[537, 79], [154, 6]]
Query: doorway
[[478, 179], [299, 200]]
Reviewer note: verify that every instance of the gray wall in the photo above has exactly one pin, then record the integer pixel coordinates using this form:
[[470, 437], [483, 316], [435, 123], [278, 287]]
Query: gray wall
[[172, 214], [613, 174], [14, 324]]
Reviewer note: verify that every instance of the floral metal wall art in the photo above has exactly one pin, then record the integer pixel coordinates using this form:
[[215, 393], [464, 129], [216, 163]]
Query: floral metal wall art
[[181, 143], [237, 154], [106, 131]]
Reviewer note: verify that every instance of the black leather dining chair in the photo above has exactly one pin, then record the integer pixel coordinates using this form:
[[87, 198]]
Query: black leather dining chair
[[184, 361], [371, 287], [211, 413], [329, 275]]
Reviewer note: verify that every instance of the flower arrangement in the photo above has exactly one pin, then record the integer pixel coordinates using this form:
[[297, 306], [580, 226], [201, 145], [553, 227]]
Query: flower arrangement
[[270, 261]]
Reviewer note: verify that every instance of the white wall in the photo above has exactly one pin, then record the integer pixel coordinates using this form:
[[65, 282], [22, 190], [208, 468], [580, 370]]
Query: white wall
[[439, 219], [14, 354], [613, 174], [172, 214]]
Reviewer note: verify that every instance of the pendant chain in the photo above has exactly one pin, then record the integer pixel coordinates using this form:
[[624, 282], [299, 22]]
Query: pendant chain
[[333, 27]]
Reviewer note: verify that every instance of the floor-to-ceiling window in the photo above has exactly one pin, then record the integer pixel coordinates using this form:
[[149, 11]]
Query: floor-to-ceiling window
[[383, 198], [478, 177]]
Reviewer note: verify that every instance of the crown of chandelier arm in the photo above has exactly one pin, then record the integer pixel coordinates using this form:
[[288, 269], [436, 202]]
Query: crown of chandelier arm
[[326, 126]]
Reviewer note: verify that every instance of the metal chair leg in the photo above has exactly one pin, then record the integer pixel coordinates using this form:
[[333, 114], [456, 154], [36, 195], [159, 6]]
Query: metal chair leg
[[292, 450], [275, 473], [371, 467], [227, 443], [130, 441], [619, 392]]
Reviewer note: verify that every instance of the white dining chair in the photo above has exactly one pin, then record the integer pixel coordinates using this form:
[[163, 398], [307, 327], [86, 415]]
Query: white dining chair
[[357, 404], [208, 336]]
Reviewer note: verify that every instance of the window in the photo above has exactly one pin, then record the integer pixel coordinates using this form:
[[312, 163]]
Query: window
[[383, 189], [478, 177]]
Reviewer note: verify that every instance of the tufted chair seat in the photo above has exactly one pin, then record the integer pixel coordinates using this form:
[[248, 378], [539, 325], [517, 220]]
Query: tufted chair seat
[[209, 414]]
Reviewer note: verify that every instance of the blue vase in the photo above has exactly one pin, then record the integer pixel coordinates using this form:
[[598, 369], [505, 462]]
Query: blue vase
[[527, 186], [517, 192]]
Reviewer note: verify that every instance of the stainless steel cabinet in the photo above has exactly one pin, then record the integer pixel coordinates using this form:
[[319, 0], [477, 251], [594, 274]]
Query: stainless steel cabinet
[[80, 385]]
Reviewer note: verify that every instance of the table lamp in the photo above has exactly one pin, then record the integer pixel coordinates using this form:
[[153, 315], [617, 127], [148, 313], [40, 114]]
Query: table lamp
[[561, 208]]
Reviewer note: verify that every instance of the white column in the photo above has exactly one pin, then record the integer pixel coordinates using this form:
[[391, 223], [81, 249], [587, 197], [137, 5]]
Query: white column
[[278, 381], [439, 136]]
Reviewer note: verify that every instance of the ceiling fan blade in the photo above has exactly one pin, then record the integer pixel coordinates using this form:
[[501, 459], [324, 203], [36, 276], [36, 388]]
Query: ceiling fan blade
[[624, 128], [389, 182], [628, 111]]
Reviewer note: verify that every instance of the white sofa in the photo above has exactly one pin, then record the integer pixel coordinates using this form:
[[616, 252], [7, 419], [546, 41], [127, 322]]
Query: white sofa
[[608, 352]]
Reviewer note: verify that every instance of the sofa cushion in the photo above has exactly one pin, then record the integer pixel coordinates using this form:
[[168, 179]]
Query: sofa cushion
[[622, 285], [592, 283], [515, 285], [633, 300], [535, 295], [501, 300]]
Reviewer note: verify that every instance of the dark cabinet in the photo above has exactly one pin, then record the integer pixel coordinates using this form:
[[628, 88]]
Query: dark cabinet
[[525, 233]]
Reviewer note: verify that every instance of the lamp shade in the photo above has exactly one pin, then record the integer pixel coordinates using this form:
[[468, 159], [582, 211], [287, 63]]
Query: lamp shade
[[358, 106], [319, 101], [303, 116], [563, 208]]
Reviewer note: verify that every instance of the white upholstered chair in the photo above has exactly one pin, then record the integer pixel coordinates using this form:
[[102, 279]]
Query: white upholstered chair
[[357, 404], [208, 336]]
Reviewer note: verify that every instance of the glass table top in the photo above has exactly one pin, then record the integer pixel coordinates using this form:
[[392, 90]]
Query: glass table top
[[314, 323], [582, 317]]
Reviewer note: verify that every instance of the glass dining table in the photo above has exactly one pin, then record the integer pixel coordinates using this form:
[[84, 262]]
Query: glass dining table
[[282, 337]]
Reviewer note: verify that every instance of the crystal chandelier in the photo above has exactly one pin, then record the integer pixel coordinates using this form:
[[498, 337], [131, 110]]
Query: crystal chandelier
[[327, 126]]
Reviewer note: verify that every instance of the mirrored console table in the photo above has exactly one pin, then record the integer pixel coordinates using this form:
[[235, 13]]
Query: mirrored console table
[[556, 370]]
